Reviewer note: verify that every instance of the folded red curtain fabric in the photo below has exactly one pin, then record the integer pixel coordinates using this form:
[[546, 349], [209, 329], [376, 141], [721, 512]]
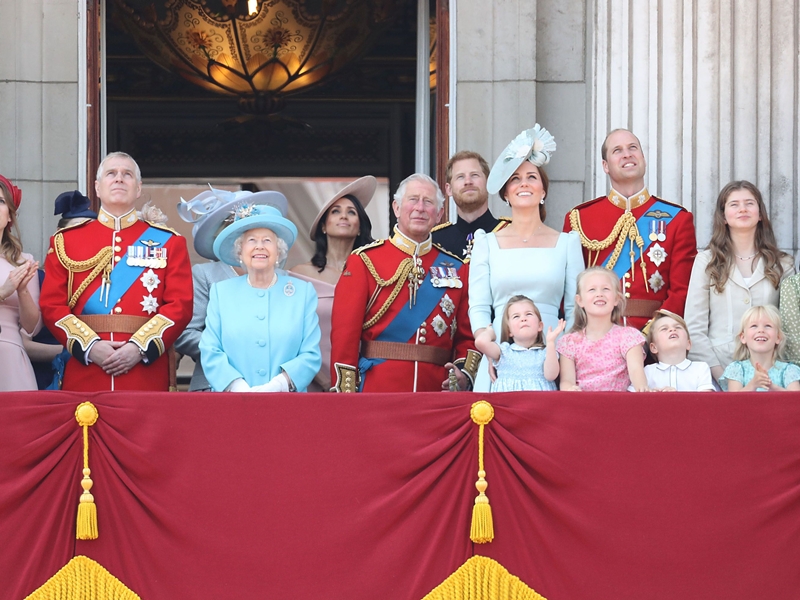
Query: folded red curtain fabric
[[312, 496]]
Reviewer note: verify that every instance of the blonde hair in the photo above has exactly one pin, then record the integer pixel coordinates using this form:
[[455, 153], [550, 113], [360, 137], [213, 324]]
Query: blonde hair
[[579, 315], [661, 314], [742, 352], [505, 336]]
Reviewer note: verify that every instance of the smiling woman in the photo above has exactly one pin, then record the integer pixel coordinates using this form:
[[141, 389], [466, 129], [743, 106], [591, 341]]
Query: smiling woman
[[341, 226], [19, 296], [495, 266], [742, 267], [262, 331]]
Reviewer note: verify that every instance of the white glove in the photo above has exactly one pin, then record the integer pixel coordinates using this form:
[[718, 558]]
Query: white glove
[[279, 383], [239, 385]]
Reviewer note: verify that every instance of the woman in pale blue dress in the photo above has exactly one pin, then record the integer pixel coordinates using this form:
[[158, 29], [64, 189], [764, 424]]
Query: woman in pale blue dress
[[526, 257]]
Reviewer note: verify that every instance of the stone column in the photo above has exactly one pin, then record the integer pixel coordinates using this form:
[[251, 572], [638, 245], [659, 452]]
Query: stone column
[[518, 62], [710, 87], [39, 109]]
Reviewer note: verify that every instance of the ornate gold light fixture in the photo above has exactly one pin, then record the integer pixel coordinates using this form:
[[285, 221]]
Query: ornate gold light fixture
[[258, 50]]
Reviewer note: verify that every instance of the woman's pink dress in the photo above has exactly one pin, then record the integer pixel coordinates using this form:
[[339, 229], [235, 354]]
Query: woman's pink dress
[[322, 382], [16, 372]]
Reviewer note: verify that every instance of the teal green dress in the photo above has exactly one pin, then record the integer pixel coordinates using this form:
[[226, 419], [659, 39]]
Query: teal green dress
[[743, 371]]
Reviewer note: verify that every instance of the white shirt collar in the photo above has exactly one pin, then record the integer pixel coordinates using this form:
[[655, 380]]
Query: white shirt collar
[[681, 365]]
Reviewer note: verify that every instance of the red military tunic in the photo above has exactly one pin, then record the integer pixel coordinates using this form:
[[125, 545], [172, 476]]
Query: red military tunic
[[667, 263], [358, 301], [161, 304]]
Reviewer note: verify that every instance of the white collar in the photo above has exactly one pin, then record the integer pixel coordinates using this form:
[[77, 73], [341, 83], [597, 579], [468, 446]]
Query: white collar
[[681, 365]]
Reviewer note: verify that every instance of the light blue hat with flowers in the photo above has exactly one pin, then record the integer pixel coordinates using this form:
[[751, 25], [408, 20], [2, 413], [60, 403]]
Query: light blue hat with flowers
[[534, 145], [252, 216], [211, 211]]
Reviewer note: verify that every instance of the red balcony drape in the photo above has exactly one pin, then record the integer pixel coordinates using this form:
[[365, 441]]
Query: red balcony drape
[[369, 496]]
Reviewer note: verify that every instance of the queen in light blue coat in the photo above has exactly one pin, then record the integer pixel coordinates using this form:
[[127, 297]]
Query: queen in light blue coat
[[262, 332]]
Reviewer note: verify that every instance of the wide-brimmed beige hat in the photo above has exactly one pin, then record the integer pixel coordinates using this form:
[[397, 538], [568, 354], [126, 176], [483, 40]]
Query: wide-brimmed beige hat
[[361, 189]]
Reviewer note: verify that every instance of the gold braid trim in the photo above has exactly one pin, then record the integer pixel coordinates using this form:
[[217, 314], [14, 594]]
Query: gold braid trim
[[481, 578], [398, 279], [98, 263], [80, 578], [625, 228]]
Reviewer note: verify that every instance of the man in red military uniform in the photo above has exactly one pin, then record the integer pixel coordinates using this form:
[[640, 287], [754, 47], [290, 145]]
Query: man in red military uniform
[[649, 242], [400, 319], [117, 290]]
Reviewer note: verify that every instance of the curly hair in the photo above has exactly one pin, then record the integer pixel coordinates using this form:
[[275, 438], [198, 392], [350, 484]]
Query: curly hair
[[364, 237], [721, 264], [283, 248], [11, 245]]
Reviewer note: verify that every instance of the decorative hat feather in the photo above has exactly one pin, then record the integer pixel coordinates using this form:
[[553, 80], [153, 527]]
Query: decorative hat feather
[[535, 145]]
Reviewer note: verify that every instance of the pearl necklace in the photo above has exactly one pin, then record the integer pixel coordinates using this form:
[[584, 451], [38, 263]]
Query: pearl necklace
[[273, 282], [745, 257]]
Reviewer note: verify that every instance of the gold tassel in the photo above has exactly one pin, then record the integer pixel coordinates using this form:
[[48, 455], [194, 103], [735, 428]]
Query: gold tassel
[[482, 528], [86, 414]]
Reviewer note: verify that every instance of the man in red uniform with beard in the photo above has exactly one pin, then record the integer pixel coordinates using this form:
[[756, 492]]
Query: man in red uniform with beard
[[400, 319], [648, 242], [117, 290]]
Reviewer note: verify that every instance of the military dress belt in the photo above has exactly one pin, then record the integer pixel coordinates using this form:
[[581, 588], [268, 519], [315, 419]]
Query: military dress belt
[[641, 308], [114, 323], [409, 352]]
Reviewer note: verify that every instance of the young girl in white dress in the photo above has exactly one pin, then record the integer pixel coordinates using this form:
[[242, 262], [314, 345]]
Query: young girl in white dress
[[524, 358]]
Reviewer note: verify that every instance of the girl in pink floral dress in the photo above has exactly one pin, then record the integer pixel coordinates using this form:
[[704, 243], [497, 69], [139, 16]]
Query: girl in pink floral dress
[[599, 354]]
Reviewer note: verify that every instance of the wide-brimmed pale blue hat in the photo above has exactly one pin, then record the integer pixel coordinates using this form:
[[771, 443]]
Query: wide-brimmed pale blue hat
[[211, 211], [248, 216], [534, 145]]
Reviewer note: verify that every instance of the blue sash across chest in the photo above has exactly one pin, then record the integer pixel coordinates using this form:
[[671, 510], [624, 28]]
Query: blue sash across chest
[[123, 276], [407, 321], [623, 264]]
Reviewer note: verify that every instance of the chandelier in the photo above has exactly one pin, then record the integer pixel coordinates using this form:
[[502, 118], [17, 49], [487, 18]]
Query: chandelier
[[259, 51]]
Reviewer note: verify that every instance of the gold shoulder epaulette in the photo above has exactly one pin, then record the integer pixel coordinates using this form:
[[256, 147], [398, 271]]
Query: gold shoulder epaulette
[[162, 226], [76, 223], [445, 251], [590, 202], [503, 222], [374, 244], [441, 226]]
